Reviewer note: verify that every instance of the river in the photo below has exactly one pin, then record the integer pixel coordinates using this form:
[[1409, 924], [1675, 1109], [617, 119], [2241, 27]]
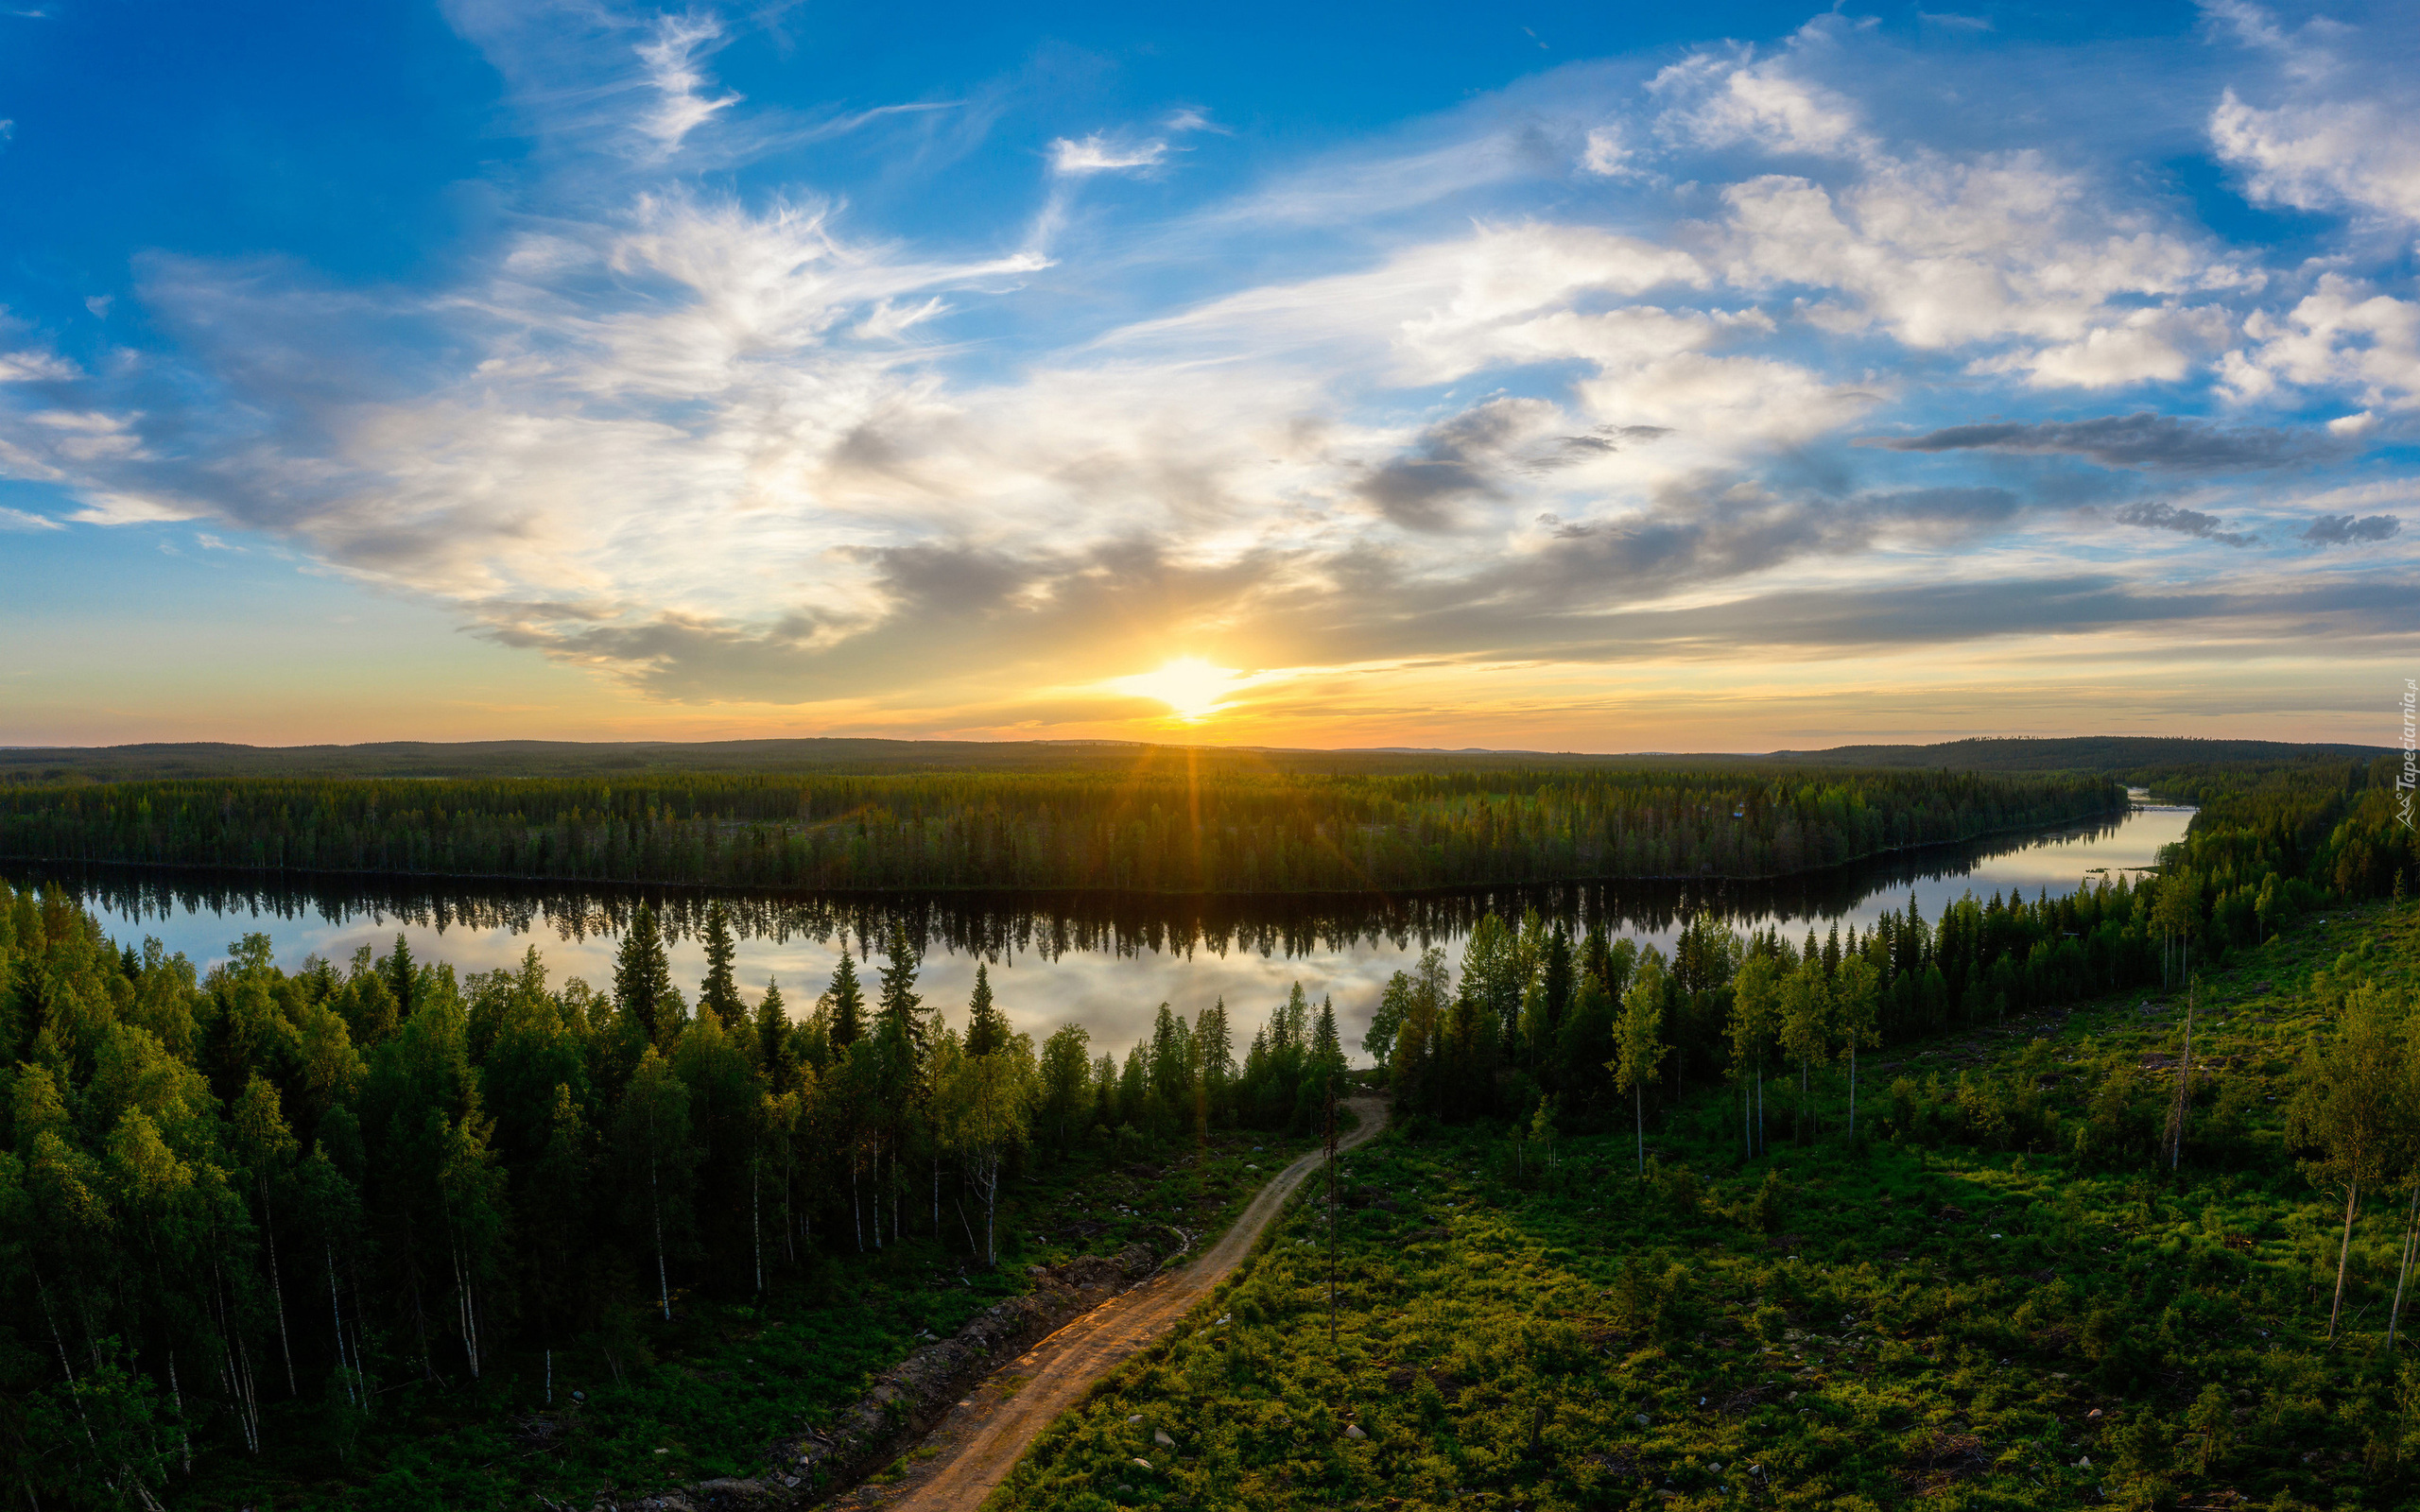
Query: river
[[1104, 962]]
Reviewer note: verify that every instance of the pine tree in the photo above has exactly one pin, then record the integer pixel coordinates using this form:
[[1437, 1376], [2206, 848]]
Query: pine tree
[[718, 991]]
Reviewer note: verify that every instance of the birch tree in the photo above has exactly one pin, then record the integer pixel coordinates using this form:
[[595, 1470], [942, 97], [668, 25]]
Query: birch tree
[[1639, 1042], [2349, 1110]]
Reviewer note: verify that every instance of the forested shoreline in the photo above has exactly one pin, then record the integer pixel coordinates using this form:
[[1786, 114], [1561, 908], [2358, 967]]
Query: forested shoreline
[[1156, 829], [1538, 1013]]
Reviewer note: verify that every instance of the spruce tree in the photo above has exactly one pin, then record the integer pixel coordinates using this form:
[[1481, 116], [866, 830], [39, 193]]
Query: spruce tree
[[772, 1034], [986, 1028], [899, 1002], [844, 1001], [718, 991], [642, 978], [1327, 1052], [399, 977]]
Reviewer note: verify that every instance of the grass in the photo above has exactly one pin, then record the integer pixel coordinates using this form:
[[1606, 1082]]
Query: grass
[[1969, 1310], [726, 1376]]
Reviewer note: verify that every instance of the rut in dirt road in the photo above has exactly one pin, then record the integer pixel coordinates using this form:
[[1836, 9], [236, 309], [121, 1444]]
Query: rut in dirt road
[[982, 1440]]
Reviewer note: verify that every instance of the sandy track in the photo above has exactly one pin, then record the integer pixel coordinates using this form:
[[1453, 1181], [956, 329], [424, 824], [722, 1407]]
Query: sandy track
[[982, 1438]]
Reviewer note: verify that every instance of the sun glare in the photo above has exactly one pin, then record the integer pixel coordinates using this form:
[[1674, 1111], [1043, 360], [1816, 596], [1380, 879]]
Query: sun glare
[[1190, 686]]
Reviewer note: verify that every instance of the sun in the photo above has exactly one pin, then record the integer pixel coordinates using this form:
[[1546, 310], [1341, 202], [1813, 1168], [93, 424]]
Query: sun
[[1191, 687]]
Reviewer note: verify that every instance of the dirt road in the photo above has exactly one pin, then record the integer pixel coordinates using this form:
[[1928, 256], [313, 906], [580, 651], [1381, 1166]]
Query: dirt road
[[981, 1440]]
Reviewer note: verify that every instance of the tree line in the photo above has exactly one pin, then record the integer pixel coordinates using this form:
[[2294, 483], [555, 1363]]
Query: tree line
[[1596, 1026], [225, 1190], [1161, 828]]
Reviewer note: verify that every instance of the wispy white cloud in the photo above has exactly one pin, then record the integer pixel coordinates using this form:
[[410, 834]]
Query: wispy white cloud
[[22, 520], [1102, 153], [672, 56]]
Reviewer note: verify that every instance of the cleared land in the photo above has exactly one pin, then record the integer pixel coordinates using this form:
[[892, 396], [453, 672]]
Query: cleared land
[[975, 1450]]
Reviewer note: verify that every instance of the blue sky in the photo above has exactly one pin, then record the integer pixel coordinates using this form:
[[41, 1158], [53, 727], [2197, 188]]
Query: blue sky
[[1720, 377]]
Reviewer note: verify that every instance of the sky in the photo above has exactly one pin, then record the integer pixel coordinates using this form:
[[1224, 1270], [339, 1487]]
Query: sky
[[1558, 377]]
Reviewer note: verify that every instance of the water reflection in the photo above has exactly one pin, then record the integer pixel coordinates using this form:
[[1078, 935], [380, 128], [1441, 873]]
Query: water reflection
[[1104, 960]]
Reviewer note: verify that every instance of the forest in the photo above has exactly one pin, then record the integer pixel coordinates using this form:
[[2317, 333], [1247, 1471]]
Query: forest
[[262, 1229], [1161, 825]]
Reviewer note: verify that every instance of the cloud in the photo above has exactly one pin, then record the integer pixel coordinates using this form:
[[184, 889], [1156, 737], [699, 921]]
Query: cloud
[[672, 58], [1454, 460], [2153, 514], [2338, 155], [35, 367], [1569, 372], [2345, 530], [2143, 439], [1729, 98], [2341, 336], [1943, 254], [21, 519], [1101, 153], [1604, 154], [2338, 138]]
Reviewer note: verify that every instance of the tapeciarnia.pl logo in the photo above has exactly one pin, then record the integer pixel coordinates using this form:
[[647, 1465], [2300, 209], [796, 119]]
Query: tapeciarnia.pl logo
[[2405, 783]]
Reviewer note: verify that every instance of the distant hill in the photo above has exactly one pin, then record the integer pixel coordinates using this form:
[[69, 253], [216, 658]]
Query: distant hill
[[2078, 754], [556, 758]]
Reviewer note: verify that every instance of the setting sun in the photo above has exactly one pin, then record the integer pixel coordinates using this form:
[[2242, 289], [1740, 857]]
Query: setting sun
[[1191, 687]]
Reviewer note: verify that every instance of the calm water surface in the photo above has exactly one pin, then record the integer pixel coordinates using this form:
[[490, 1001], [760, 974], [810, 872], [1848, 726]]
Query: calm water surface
[[1106, 963]]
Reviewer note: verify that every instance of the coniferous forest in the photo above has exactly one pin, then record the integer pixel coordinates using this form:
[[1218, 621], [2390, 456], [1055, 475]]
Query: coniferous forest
[[1161, 825], [331, 1236]]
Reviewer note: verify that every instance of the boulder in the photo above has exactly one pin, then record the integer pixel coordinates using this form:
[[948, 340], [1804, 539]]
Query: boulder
[[1160, 1436], [1354, 1431]]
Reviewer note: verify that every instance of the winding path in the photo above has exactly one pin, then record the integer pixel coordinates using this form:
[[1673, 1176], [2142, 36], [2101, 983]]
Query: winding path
[[984, 1436]]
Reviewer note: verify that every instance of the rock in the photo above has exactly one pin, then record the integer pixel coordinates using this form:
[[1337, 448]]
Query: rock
[[1160, 1436], [1354, 1431], [1135, 1418], [1142, 1464]]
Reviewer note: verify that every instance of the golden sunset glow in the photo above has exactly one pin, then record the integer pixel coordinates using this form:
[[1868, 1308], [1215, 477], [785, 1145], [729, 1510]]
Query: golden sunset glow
[[1191, 687]]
